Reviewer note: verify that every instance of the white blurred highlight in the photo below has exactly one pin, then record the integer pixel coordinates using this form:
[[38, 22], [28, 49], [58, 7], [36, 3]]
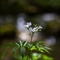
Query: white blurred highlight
[[20, 24], [25, 36], [50, 41], [49, 17]]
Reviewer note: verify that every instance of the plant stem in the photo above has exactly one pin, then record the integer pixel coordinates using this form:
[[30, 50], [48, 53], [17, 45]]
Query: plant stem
[[32, 36]]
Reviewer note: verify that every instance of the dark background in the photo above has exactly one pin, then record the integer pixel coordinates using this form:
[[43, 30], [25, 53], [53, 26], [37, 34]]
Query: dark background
[[31, 11]]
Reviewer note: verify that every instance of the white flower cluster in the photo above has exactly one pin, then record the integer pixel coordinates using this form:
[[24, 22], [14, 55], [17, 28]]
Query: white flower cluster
[[28, 25], [35, 29]]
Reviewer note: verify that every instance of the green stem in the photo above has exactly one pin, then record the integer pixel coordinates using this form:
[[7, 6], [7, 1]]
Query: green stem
[[32, 36]]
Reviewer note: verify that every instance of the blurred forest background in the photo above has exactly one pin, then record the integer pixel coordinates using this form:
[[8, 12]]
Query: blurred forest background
[[15, 13]]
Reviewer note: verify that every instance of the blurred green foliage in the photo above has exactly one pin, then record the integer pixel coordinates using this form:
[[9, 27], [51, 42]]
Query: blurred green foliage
[[6, 28], [29, 51]]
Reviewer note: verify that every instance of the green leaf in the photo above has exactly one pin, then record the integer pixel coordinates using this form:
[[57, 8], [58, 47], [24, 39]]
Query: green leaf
[[33, 48], [39, 43], [17, 44], [21, 44], [42, 49], [15, 49], [47, 48], [18, 57], [25, 43], [39, 49], [45, 57], [22, 50], [25, 57], [36, 56], [29, 45]]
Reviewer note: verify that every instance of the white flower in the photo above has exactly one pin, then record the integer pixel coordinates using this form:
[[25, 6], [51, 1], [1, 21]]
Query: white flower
[[33, 29], [30, 29], [37, 28], [40, 27], [28, 25]]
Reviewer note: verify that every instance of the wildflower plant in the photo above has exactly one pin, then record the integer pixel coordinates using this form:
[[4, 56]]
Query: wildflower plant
[[30, 50]]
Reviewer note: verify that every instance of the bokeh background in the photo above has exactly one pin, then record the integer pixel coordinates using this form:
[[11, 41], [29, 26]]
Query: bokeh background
[[14, 14]]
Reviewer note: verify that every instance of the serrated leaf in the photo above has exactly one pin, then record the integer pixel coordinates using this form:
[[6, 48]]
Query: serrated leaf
[[15, 49]]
